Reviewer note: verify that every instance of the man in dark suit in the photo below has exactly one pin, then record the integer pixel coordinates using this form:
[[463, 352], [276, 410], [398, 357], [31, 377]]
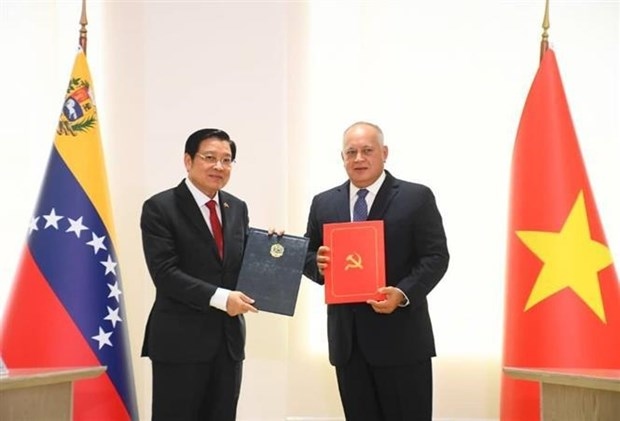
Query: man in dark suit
[[382, 349], [193, 237]]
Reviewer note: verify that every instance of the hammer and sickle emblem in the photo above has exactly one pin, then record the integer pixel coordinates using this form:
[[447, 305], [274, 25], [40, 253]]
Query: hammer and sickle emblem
[[354, 261]]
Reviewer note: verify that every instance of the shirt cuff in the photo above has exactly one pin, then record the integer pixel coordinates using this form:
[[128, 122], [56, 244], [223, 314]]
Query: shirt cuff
[[219, 299], [405, 301]]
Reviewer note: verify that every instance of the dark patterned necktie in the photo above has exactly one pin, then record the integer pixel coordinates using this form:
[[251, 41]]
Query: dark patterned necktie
[[360, 208], [216, 227]]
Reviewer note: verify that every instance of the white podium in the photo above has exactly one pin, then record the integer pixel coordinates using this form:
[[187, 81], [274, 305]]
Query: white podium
[[41, 393], [574, 394]]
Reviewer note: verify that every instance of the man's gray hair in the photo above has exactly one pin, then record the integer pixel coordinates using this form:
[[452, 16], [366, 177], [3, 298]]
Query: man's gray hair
[[365, 123]]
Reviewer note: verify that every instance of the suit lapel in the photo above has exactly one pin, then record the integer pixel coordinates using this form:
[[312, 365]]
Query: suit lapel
[[387, 192], [228, 212], [342, 203], [187, 206]]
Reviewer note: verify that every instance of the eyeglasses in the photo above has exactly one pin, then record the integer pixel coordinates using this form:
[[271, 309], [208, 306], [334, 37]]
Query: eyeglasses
[[213, 160], [351, 154]]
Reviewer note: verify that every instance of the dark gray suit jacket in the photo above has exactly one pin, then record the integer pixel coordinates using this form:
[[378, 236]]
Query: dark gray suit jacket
[[416, 256], [186, 269]]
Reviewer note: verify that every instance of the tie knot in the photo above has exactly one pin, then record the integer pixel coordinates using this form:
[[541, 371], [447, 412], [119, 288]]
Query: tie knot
[[361, 193], [211, 205]]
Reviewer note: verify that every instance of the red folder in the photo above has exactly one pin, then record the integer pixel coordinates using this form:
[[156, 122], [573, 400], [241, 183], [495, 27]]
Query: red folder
[[357, 261]]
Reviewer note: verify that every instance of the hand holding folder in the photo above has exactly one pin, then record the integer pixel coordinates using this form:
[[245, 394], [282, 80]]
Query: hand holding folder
[[271, 270]]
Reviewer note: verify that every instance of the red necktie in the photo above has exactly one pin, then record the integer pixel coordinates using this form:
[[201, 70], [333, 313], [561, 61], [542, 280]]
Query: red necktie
[[216, 227]]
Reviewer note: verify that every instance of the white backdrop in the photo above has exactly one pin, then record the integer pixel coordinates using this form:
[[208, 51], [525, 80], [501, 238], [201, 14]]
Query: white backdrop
[[445, 80]]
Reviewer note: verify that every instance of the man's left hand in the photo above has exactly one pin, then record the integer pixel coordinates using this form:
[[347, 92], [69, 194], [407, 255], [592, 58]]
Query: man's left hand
[[393, 298]]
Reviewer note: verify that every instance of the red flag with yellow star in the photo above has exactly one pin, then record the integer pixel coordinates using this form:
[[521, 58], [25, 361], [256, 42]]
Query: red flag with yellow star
[[562, 306]]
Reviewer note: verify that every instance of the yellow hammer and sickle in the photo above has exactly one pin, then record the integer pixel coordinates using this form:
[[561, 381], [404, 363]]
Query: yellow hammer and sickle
[[354, 261]]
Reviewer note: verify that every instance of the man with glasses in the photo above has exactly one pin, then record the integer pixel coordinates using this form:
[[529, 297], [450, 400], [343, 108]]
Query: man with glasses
[[193, 237], [382, 350]]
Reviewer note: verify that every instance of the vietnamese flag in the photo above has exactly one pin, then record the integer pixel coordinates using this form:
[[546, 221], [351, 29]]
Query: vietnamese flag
[[66, 307], [562, 307]]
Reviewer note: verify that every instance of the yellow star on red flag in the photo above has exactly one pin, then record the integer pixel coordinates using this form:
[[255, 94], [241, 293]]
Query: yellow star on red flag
[[571, 259]]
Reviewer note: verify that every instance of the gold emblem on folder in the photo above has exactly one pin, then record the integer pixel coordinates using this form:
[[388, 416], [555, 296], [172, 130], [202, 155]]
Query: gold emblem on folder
[[354, 261], [277, 250]]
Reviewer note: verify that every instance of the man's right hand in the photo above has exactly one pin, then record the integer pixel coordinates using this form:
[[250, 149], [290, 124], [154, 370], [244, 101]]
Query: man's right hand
[[322, 258]]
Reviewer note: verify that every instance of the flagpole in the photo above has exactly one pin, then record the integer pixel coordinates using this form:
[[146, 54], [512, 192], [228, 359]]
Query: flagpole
[[83, 23], [544, 43]]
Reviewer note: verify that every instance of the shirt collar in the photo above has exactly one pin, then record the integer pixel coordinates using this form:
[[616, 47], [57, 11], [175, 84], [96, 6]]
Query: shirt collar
[[200, 198], [373, 188]]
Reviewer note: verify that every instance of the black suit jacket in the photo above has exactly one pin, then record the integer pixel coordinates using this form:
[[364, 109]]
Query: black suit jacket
[[186, 269], [416, 259]]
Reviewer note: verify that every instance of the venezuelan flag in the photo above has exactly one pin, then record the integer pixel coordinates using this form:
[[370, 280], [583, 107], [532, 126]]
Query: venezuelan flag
[[66, 307]]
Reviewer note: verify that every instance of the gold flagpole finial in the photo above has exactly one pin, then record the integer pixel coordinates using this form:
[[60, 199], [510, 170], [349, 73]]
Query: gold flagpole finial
[[544, 43], [83, 23]]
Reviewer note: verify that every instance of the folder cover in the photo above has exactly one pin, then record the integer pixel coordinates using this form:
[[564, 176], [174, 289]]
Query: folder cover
[[357, 264], [271, 270]]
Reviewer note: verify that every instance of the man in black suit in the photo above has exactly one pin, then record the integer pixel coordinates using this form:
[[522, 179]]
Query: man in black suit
[[195, 335], [382, 349]]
